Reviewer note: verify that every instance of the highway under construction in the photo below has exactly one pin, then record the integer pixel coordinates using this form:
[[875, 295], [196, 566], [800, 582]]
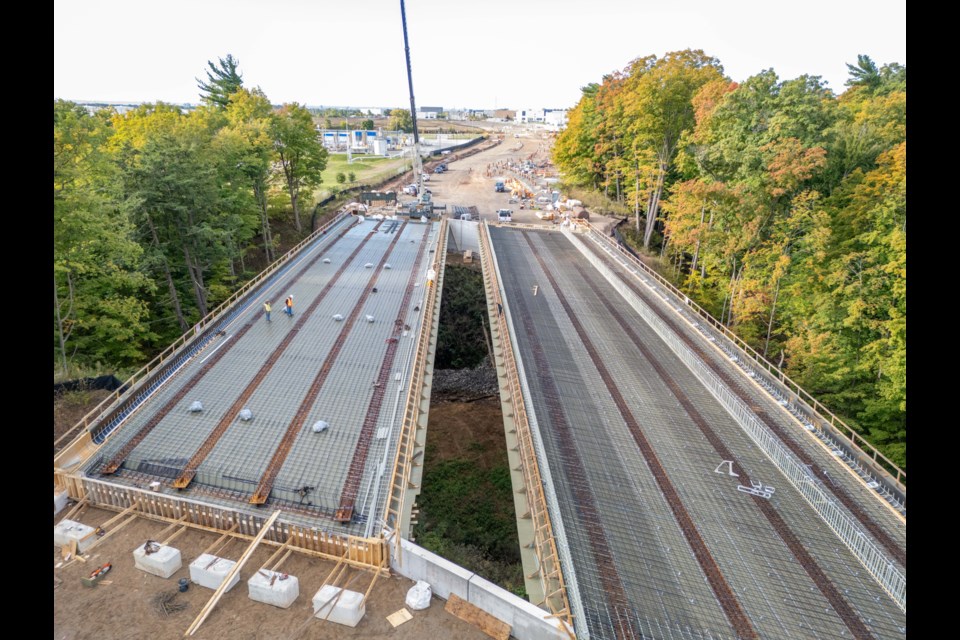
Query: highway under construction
[[669, 483]]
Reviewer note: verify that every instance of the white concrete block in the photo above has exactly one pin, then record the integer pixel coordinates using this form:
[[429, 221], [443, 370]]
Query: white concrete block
[[59, 501], [281, 593], [69, 530], [210, 571], [444, 576], [526, 620], [164, 562], [348, 610]]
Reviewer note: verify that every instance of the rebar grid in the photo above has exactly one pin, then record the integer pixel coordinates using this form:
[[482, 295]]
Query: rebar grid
[[233, 466], [867, 551]]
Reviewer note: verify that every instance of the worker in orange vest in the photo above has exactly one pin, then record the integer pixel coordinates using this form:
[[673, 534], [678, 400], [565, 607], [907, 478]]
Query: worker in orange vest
[[289, 306]]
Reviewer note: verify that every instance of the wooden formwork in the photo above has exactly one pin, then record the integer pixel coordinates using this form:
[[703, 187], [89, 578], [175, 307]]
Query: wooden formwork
[[544, 542], [364, 553]]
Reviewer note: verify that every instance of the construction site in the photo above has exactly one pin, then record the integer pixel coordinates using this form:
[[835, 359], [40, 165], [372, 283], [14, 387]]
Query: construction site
[[668, 481]]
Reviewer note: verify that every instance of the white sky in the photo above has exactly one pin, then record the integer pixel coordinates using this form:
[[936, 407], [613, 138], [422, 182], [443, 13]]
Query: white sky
[[479, 54]]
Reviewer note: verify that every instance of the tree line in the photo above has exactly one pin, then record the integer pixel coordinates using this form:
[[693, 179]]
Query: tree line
[[159, 213], [777, 205]]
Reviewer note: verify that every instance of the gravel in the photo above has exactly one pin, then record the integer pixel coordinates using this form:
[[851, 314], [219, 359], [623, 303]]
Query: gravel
[[466, 383]]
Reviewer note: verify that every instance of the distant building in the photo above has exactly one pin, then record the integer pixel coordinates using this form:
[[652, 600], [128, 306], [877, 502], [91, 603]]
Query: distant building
[[504, 115], [371, 111], [529, 115], [429, 113], [555, 118]]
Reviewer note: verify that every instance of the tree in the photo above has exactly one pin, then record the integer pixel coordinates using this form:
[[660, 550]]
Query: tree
[[341, 177], [301, 156], [367, 125], [223, 80], [98, 288], [401, 120], [352, 177], [864, 74], [246, 142]]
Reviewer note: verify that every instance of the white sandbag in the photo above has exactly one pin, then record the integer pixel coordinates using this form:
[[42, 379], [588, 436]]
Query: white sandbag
[[196, 407], [387, 266], [369, 265], [418, 597], [326, 261], [246, 415], [369, 318], [320, 426], [360, 218], [338, 317]]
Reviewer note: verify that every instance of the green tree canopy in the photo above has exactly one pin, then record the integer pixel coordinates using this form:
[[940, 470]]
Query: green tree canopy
[[223, 79]]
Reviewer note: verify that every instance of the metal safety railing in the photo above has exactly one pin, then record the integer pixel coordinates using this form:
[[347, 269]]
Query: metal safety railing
[[880, 463], [544, 542], [883, 570]]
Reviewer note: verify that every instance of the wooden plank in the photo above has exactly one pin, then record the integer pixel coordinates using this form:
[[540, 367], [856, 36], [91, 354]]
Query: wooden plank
[[112, 531], [229, 577], [275, 554], [169, 528], [220, 539], [75, 510], [477, 617], [173, 536]]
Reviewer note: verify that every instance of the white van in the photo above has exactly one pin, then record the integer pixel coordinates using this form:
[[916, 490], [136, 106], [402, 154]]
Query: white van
[[504, 215]]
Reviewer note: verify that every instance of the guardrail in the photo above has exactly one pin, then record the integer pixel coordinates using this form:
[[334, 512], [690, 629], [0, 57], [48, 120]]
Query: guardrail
[[136, 381], [544, 541], [883, 570], [879, 462]]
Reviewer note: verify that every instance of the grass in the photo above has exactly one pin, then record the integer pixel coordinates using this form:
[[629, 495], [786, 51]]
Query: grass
[[368, 170]]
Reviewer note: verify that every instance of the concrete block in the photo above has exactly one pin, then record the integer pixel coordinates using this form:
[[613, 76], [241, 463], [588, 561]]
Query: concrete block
[[69, 530], [281, 593], [210, 571], [164, 562], [348, 610], [59, 501], [443, 576], [526, 620]]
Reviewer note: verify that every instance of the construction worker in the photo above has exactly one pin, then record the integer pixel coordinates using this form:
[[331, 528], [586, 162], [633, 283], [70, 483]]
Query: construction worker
[[288, 306], [267, 309]]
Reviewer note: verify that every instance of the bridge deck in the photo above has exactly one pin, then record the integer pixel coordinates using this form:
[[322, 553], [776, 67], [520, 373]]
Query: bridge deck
[[783, 566], [312, 477]]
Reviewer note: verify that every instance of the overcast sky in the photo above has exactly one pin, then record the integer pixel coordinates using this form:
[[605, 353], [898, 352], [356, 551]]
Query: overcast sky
[[480, 54]]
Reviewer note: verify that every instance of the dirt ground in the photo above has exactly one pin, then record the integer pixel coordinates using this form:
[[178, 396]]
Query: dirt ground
[[120, 606], [457, 428], [69, 409]]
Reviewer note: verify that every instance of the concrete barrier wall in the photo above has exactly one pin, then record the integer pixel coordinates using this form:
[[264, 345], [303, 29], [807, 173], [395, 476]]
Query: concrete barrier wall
[[463, 235], [527, 621]]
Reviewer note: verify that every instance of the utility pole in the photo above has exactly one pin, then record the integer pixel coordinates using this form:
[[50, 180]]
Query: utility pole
[[417, 162]]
